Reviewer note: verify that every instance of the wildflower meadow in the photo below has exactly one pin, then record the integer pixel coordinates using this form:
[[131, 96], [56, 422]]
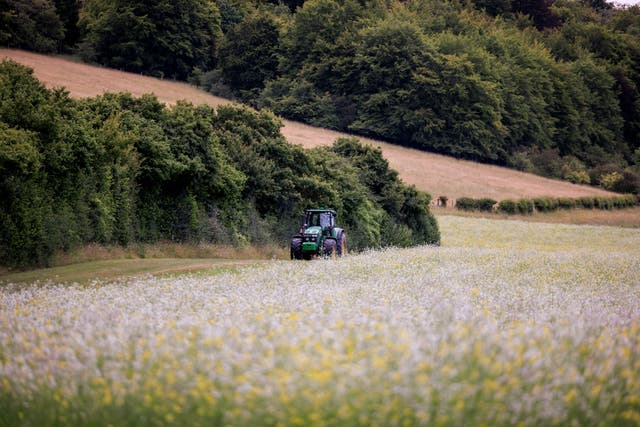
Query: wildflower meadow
[[507, 323]]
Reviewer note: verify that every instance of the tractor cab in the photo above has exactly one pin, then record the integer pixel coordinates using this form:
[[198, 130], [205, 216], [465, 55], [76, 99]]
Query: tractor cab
[[325, 219]]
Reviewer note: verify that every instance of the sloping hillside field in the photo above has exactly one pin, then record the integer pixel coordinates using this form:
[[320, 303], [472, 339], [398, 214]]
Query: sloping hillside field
[[508, 323], [435, 174]]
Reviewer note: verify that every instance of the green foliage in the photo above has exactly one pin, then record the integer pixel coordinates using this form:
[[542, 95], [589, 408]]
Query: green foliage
[[486, 204], [68, 11], [160, 38], [578, 177], [586, 202], [32, 25], [118, 170], [540, 12], [405, 209], [494, 7], [465, 203], [508, 206], [249, 52], [19, 154], [545, 204], [21, 217], [539, 85], [549, 204], [521, 206], [471, 204], [609, 180], [630, 182], [566, 203], [315, 29], [232, 12], [450, 80], [300, 100], [525, 206]]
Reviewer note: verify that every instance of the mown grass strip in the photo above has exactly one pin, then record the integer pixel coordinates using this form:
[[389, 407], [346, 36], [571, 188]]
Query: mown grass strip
[[118, 268]]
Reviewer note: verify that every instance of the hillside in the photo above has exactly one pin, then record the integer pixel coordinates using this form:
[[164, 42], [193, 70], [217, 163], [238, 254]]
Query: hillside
[[435, 174]]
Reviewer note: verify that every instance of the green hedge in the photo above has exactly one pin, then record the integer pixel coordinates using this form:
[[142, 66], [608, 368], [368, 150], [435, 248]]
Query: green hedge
[[546, 204], [122, 170], [469, 204]]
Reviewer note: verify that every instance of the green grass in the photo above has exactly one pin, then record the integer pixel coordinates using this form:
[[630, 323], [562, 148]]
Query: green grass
[[119, 268], [95, 261]]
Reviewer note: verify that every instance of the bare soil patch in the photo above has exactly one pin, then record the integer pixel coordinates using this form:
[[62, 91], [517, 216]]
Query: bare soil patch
[[435, 174]]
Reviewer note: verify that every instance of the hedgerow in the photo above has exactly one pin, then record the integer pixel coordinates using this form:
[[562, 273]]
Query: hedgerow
[[547, 204], [119, 170]]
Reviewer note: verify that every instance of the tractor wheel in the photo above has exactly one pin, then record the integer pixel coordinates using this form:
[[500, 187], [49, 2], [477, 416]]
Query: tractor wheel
[[328, 248], [296, 248], [342, 244]]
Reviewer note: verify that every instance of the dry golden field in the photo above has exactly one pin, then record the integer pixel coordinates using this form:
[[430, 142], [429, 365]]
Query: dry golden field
[[627, 218]]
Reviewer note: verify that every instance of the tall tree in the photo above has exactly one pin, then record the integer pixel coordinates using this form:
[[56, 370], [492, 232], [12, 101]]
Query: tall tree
[[539, 10], [249, 52], [32, 25], [158, 37], [68, 11]]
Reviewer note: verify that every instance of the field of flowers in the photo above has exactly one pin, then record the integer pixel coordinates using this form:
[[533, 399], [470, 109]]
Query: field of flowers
[[507, 323]]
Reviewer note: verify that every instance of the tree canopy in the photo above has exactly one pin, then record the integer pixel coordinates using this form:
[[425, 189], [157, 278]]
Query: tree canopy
[[160, 37], [546, 86], [118, 170]]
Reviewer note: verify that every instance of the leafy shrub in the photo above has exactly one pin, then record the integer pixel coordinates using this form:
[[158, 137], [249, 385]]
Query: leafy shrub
[[470, 204], [508, 206], [603, 203], [586, 202], [630, 182], [485, 204], [406, 207], [578, 177], [550, 204], [632, 199], [525, 206], [573, 170], [610, 180], [466, 204], [522, 206], [566, 203], [545, 204], [299, 99]]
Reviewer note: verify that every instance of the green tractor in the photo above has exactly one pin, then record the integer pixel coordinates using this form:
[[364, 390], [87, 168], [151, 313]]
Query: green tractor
[[319, 236]]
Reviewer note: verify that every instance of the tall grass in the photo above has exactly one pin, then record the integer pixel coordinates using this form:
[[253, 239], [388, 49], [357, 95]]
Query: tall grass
[[508, 323]]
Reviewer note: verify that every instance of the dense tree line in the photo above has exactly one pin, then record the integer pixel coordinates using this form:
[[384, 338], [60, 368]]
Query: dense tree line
[[117, 170], [546, 86]]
